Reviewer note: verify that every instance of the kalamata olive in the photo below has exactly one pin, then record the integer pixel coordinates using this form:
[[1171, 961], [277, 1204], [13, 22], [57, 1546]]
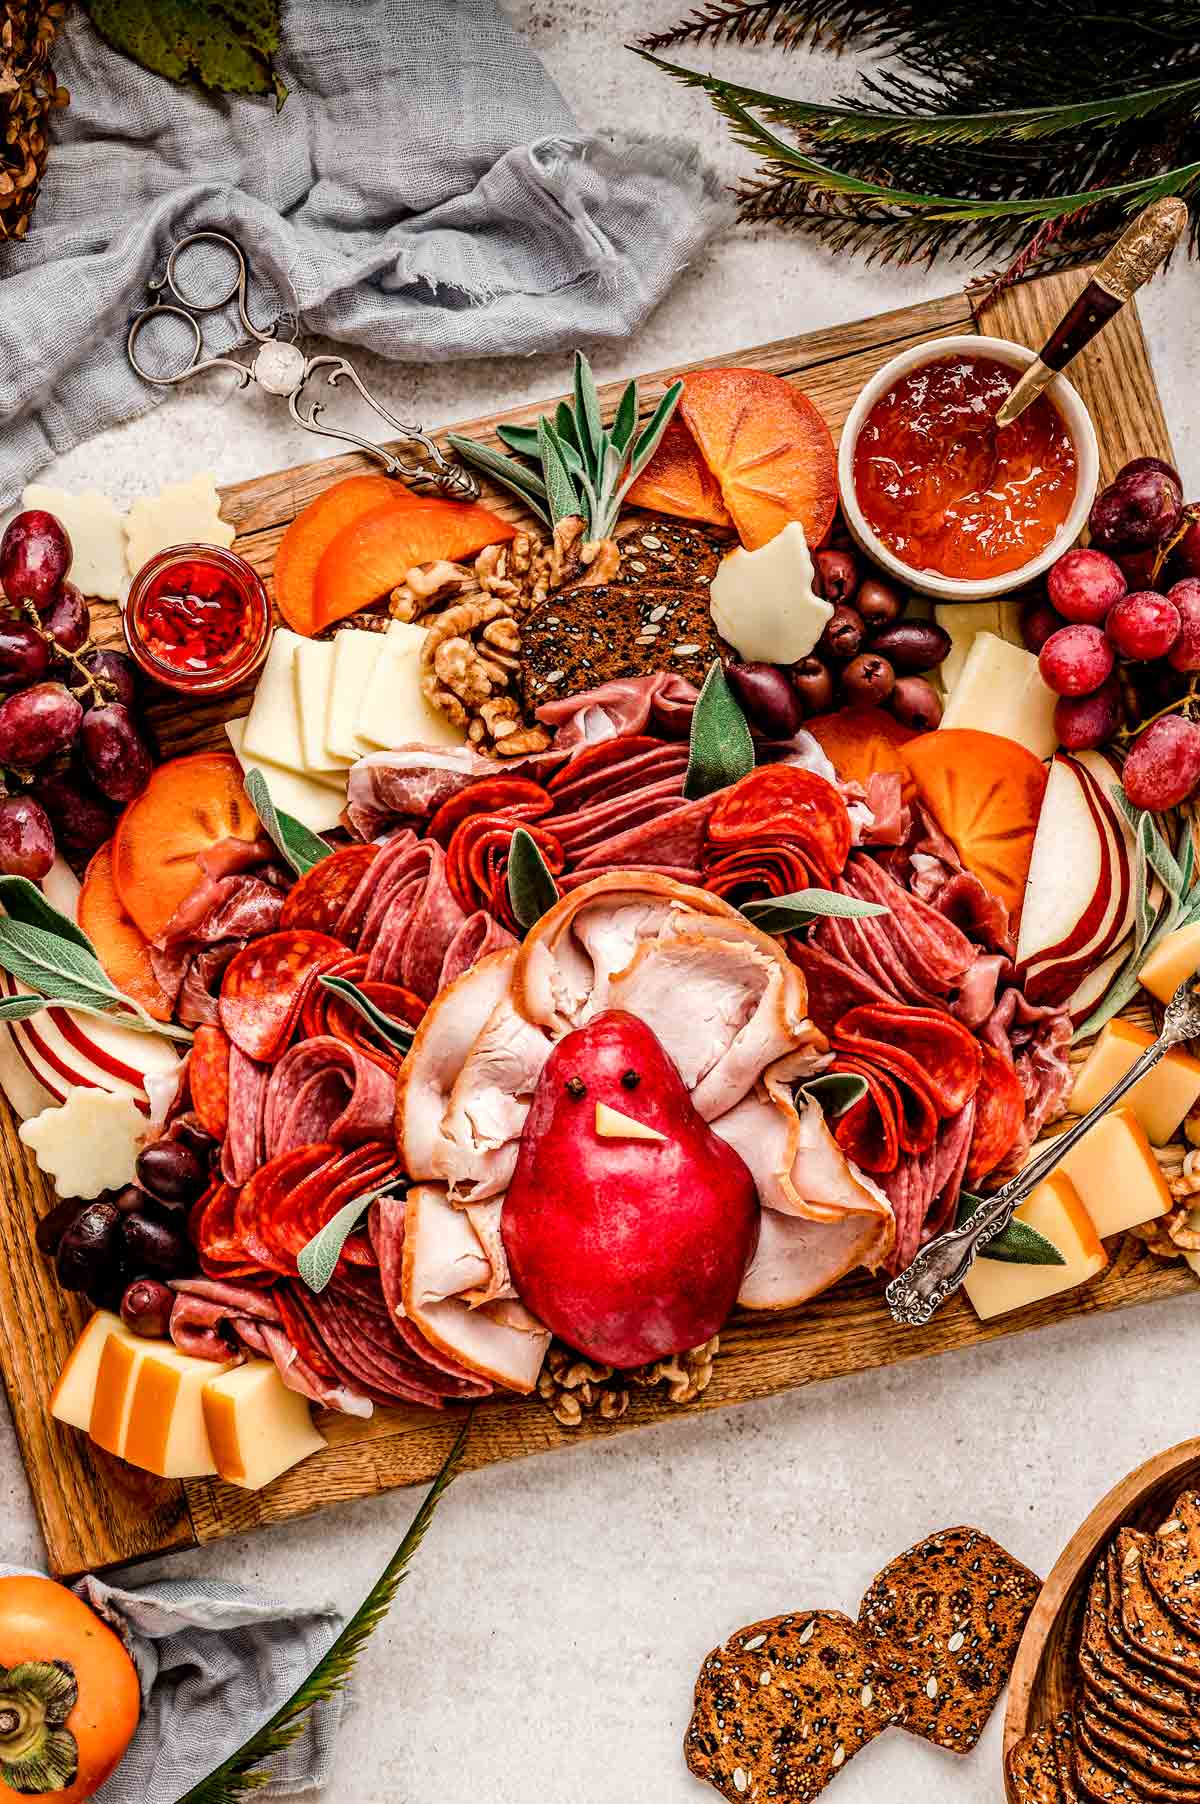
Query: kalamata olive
[[916, 703], [844, 633], [52, 1227], [131, 1198], [868, 678], [911, 646], [88, 1252], [171, 1172], [770, 702], [115, 753], [879, 604], [187, 1130], [813, 683], [839, 574], [154, 1240], [146, 1308], [67, 619]]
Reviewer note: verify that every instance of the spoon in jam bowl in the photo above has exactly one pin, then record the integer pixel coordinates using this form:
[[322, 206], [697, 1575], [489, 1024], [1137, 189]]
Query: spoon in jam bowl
[[940, 1268], [1142, 247]]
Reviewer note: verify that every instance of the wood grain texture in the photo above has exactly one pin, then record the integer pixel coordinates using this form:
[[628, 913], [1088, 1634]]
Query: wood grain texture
[[95, 1512], [1044, 1675]]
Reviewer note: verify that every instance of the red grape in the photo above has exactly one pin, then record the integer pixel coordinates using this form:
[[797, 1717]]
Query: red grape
[[26, 838], [878, 603], [37, 723], [116, 673], [1164, 766], [1138, 509], [114, 752], [1084, 584], [1075, 660], [1082, 722], [1185, 653], [868, 678], [1038, 621], [1185, 553], [813, 683], [1137, 567], [24, 655], [839, 575], [1137, 464], [1143, 626], [35, 555], [81, 821], [916, 703], [67, 619]]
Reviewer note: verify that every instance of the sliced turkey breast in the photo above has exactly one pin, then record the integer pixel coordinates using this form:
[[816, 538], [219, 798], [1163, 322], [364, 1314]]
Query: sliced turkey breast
[[485, 1219], [796, 1259], [440, 1046], [442, 1258], [480, 1132]]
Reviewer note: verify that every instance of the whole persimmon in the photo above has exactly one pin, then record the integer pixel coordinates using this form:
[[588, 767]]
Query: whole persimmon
[[69, 1695]]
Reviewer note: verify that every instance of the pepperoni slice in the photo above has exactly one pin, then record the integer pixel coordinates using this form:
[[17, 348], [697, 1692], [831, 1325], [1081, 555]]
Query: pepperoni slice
[[479, 853], [314, 1016], [758, 871], [265, 985], [930, 1049], [297, 1329], [783, 802], [868, 1131], [489, 796], [213, 1229], [999, 1115], [346, 1024], [208, 1079], [269, 1197], [318, 899]]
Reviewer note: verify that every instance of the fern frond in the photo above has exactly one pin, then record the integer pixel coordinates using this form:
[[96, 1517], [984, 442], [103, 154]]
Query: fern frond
[[246, 1771]]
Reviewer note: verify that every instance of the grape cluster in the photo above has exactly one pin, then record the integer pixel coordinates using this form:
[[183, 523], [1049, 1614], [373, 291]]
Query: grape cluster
[[1117, 633], [70, 746], [121, 1249], [868, 654]]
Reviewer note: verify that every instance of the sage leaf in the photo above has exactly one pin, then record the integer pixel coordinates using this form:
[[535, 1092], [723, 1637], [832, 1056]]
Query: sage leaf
[[1019, 1244], [836, 1091], [560, 489], [588, 425], [564, 425], [20, 1008], [395, 1033], [526, 485], [572, 462], [291, 837], [317, 1259], [720, 749], [521, 439], [648, 439], [1159, 857], [625, 419], [786, 914], [24, 901], [228, 48], [531, 886], [65, 974]]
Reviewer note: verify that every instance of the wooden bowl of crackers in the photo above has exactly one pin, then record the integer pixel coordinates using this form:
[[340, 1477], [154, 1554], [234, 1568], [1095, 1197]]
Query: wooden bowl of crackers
[[1104, 1700]]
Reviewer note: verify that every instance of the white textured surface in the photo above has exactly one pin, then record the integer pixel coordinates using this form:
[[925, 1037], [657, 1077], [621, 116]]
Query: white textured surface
[[546, 1643]]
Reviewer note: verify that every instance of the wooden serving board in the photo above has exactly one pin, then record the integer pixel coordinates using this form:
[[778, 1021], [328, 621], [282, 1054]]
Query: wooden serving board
[[95, 1511]]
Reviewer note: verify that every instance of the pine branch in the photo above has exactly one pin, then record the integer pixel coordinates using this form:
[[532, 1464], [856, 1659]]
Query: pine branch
[[245, 1772], [787, 22]]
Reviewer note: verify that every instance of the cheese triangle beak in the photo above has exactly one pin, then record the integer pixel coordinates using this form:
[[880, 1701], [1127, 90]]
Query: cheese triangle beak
[[612, 1125]]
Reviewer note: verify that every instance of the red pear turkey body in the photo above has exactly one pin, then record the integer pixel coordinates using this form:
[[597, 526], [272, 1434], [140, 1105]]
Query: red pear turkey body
[[628, 1249]]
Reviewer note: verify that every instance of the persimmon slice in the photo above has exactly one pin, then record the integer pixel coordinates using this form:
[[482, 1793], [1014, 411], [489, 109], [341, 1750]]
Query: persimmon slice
[[769, 449], [313, 531], [678, 481], [860, 741], [121, 946], [985, 793], [193, 818], [376, 551]]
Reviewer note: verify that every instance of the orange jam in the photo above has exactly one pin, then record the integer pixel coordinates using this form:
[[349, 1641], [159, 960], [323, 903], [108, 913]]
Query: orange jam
[[943, 489]]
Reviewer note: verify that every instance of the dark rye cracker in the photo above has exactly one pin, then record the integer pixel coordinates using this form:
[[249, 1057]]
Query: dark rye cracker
[[1106, 1774], [944, 1620], [1064, 1748], [1148, 1662], [1172, 1563], [1149, 1628], [1160, 1708], [783, 1705], [1131, 1751], [1032, 1769]]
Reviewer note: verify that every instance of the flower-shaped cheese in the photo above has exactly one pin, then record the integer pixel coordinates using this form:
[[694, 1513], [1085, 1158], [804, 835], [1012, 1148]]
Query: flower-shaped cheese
[[87, 1144]]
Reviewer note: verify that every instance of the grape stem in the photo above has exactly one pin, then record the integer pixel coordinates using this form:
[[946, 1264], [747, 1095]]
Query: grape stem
[[101, 692], [1183, 704]]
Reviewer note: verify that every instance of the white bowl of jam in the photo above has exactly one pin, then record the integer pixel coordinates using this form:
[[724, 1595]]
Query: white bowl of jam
[[944, 502]]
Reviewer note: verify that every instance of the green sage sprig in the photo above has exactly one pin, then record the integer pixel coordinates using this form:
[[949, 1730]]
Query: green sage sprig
[[720, 749], [318, 1257], [836, 1091], [394, 1033], [531, 886], [290, 837], [801, 907], [1019, 1244], [576, 465]]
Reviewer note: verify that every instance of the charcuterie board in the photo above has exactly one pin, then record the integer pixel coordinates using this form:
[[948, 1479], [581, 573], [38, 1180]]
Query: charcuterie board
[[96, 1511]]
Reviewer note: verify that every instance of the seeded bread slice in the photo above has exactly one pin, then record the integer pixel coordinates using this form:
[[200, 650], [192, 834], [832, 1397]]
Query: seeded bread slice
[[1152, 1631], [1172, 1563], [1064, 1747], [1032, 1769], [783, 1705], [944, 1620]]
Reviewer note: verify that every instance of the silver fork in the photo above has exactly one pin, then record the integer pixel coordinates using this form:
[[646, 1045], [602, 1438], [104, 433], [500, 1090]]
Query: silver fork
[[939, 1268]]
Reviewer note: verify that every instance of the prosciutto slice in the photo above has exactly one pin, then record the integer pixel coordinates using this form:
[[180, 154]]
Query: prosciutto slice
[[626, 705]]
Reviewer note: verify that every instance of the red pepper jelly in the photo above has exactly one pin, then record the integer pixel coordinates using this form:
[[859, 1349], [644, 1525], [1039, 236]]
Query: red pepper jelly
[[198, 619], [946, 491]]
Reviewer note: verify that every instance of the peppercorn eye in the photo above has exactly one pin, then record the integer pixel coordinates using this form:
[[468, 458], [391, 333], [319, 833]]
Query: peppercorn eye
[[576, 1087], [630, 1079]]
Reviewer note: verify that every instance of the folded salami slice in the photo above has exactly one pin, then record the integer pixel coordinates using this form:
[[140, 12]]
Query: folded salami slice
[[868, 1131], [598, 822], [412, 916], [674, 838], [264, 988], [834, 986], [767, 870], [589, 770], [999, 1114], [479, 935], [247, 1098], [325, 1090], [936, 953], [319, 899]]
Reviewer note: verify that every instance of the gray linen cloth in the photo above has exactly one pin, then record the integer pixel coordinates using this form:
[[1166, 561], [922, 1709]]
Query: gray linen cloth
[[424, 193], [215, 1662]]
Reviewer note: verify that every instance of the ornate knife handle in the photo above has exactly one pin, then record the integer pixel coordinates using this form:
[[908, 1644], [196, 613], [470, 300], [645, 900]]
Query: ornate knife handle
[[939, 1269]]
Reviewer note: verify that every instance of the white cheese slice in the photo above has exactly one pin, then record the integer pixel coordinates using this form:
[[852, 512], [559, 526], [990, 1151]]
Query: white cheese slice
[[87, 1144], [764, 603], [963, 620], [355, 655], [1000, 690], [96, 529], [165, 1430], [314, 801], [394, 709], [257, 1427], [313, 675], [612, 1125], [273, 723], [183, 513]]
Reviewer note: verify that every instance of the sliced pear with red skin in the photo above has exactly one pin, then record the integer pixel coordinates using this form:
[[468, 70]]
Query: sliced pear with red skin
[[628, 1249], [1081, 820]]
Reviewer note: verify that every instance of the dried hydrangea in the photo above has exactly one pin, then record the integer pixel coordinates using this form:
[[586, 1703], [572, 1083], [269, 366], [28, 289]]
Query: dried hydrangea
[[28, 95]]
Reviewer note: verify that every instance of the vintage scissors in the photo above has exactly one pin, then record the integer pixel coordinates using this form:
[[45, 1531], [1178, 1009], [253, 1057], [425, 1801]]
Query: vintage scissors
[[280, 366]]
